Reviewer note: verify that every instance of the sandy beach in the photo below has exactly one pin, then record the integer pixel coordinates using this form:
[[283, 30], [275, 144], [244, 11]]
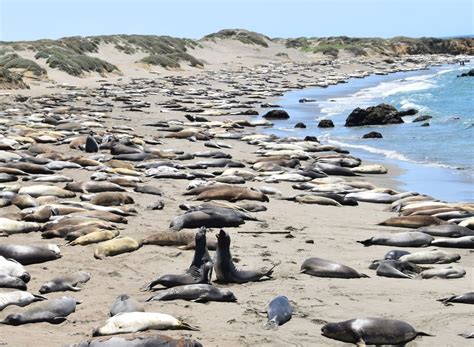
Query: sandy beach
[[307, 230]]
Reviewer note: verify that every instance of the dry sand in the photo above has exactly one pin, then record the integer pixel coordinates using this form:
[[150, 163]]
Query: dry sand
[[332, 231]]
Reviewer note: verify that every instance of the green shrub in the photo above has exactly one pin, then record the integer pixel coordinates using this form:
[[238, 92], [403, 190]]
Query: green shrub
[[244, 36], [171, 60], [14, 61]]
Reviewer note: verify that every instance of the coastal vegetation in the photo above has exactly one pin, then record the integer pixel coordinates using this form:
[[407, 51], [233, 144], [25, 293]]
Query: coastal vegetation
[[242, 35]]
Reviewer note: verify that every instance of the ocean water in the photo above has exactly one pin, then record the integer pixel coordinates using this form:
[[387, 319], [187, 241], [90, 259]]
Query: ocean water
[[436, 160]]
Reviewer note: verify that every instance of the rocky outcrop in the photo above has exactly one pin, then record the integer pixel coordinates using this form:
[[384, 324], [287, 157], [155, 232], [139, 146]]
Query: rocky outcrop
[[300, 125], [470, 73], [325, 123], [375, 115], [409, 112], [276, 114], [373, 135]]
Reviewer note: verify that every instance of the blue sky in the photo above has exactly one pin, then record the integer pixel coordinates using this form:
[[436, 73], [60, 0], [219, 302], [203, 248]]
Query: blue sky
[[35, 19]]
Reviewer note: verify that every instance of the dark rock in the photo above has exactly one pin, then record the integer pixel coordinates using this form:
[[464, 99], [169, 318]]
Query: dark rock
[[276, 114], [248, 113], [470, 73], [300, 125], [375, 115], [311, 139], [421, 119], [325, 123], [373, 135], [425, 125], [409, 112], [267, 105]]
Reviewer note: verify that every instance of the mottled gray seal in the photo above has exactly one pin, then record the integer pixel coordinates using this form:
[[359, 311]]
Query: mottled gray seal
[[279, 311], [226, 272], [196, 293], [372, 331], [27, 255], [402, 239], [395, 254], [395, 268], [433, 256], [138, 340], [13, 268], [52, 311], [125, 303], [324, 268], [467, 298], [67, 282], [7, 281]]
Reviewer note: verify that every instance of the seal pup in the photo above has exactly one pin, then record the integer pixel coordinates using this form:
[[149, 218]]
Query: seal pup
[[372, 331], [7, 281], [324, 268], [467, 298], [132, 322], [195, 292], [433, 256], [67, 282], [226, 272], [13, 268], [446, 273], [279, 311], [125, 303], [446, 230], [91, 144], [116, 246], [52, 311], [402, 239], [18, 298]]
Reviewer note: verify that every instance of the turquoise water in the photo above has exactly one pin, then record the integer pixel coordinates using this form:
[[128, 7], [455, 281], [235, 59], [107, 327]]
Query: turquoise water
[[437, 160]]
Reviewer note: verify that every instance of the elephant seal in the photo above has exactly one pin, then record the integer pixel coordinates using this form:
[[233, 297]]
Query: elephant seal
[[95, 237], [116, 246], [23, 201], [372, 331], [193, 275], [64, 283], [9, 226], [412, 221], [395, 268], [52, 311], [195, 292], [125, 303], [7, 281], [91, 144], [433, 256], [279, 311], [467, 298], [93, 187], [316, 199], [43, 190], [395, 254], [207, 218], [460, 242], [226, 272], [324, 268], [41, 215], [27, 255], [184, 239], [132, 322], [447, 273], [138, 340], [402, 239], [111, 199], [18, 298], [446, 230], [13, 268], [231, 193]]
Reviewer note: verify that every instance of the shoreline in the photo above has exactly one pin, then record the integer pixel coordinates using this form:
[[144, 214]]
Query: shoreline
[[446, 183]]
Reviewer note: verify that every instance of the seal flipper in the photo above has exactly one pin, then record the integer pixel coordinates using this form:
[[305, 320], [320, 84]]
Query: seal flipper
[[367, 242], [271, 324], [187, 326], [56, 320], [421, 333], [39, 297], [361, 343]]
